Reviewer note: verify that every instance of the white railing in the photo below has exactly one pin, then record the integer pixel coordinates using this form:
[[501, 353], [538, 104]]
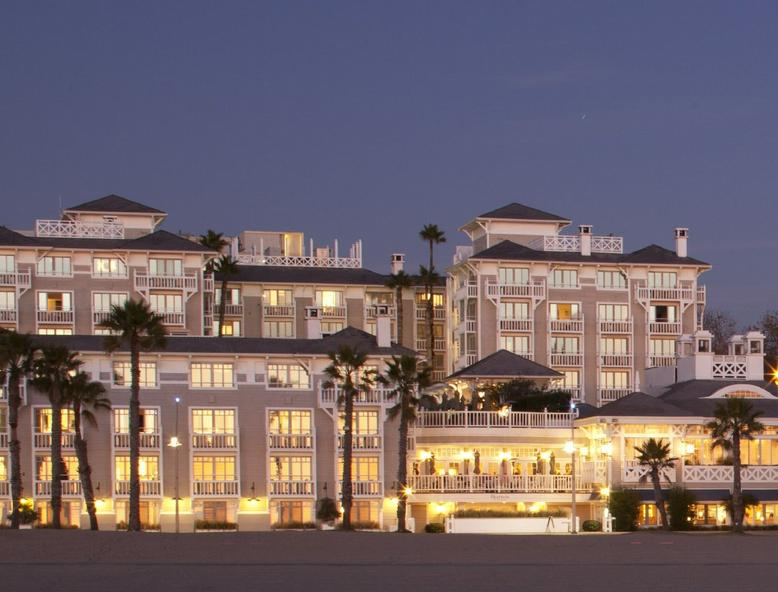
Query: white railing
[[730, 367], [332, 311], [632, 472], [566, 325], [606, 394], [575, 392], [56, 317], [278, 311], [616, 360], [215, 488], [121, 440], [362, 441], [291, 488], [624, 326], [70, 488], [3, 440], [353, 261], [235, 310], [214, 441], [701, 294], [572, 243], [438, 344], [683, 293], [5, 488], [78, 229], [363, 488], [375, 396], [661, 328], [565, 359], [19, 279], [22, 391], [172, 317], [655, 361], [438, 313], [497, 290], [145, 281], [494, 483], [370, 311], [7, 315], [100, 316], [493, 419], [291, 441], [438, 375], [524, 325], [147, 488], [43, 439], [723, 473]]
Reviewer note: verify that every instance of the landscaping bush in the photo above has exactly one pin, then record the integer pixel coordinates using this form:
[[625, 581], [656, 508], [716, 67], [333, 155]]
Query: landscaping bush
[[27, 514], [364, 525], [122, 525], [680, 505], [435, 527], [214, 525], [591, 526], [293, 525], [327, 510], [508, 514], [624, 506]]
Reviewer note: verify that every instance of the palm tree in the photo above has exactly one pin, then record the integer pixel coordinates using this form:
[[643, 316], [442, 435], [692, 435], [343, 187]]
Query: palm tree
[[428, 277], [51, 374], [406, 378], [347, 370], [138, 327], [655, 455], [398, 281], [17, 353], [734, 420], [432, 235], [226, 266], [85, 397], [216, 242]]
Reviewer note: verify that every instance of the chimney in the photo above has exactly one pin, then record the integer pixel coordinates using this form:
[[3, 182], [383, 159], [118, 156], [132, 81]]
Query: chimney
[[313, 322], [234, 247], [681, 238], [585, 232], [398, 262], [383, 325]]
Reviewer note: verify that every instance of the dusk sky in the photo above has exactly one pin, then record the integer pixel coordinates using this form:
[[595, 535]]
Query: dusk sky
[[367, 120]]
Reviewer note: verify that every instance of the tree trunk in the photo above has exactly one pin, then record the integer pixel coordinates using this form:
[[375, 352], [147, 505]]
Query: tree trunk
[[430, 317], [57, 470], [14, 402], [737, 491], [134, 518], [658, 497], [402, 468], [399, 313], [84, 470], [348, 441], [222, 305]]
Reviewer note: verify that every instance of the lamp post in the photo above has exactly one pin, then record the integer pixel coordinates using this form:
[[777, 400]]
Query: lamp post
[[175, 444], [572, 463]]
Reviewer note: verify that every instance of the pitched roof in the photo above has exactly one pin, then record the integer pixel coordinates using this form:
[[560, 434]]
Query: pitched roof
[[639, 404], [508, 250], [11, 238], [162, 240], [307, 275], [505, 364], [114, 204], [517, 211]]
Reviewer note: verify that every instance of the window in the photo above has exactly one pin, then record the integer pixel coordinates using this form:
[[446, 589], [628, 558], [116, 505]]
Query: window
[[166, 267], [572, 379], [663, 314], [514, 310], [330, 327], [518, 344], [149, 420], [438, 330], [212, 375], [43, 420], [54, 331], [363, 468], [213, 468], [285, 511], [568, 311], [329, 298], [614, 346], [3, 469], [438, 300], [611, 280], [613, 312], [162, 303], [564, 345], [614, 380], [54, 266], [365, 422], [563, 278], [104, 301], [662, 279], [123, 378], [662, 347], [213, 421], [108, 267], [215, 511], [148, 468], [233, 296], [230, 328], [7, 300], [364, 511], [287, 376], [373, 298], [44, 469], [289, 421], [513, 275], [55, 301], [277, 298], [278, 329], [7, 264], [290, 468]]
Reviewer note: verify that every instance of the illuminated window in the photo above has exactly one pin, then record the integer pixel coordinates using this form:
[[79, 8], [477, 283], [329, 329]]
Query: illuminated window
[[289, 421], [166, 267], [213, 468], [287, 376], [513, 275], [3, 468], [43, 421], [330, 327], [565, 311], [233, 296], [54, 331], [518, 344], [148, 468], [230, 328], [363, 468], [563, 278], [122, 376], [285, 511], [213, 421], [108, 267], [329, 298], [212, 375], [611, 280], [149, 420], [55, 301], [438, 299], [43, 468], [291, 468], [54, 267], [277, 297], [365, 422]]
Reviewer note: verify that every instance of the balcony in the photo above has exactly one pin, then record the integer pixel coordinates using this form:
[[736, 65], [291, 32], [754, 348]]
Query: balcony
[[8, 315], [214, 441], [3, 439], [466, 326], [466, 290], [664, 328], [291, 488], [22, 392], [55, 317], [43, 440], [229, 488], [362, 441], [536, 291], [230, 310], [148, 440], [78, 229], [438, 376], [70, 488], [100, 316], [146, 281], [353, 261], [438, 313], [575, 392], [5, 488], [278, 311], [701, 294], [291, 441], [615, 360], [363, 488], [515, 325], [575, 325], [633, 472], [495, 484], [655, 361], [18, 279], [684, 293], [332, 312], [147, 488], [376, 396], [730, 367], [370, 311], [438, 344], [723, 474], [615, 326], [492, 419], [608, 394], [571, 243], [565, 360]]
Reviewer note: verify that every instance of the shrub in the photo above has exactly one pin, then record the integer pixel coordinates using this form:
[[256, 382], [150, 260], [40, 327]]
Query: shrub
[[327, 510], [293, 525], [214, 525], [27, 514], [508, 514], [435, 527], [624, 506], [591, 526], [680, 504], [365, 525], [122, 525]]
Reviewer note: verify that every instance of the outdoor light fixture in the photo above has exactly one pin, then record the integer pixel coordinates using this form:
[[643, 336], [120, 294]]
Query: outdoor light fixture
[[689, 448], [407, 491], [605, 491], [569, 447], [253, 497], [504, 411], [606, 449]]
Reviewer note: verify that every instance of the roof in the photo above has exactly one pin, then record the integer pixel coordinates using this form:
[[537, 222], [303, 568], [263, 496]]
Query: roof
[[692, 395], [11, 238], [508, 250], [505, 364], [114, 204], [306, 275], [637, 404], [161, 240], [517, 211], [360, 340]]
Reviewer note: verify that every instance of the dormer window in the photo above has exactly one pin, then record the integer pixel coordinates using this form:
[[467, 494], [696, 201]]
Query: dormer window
[[754, 346]]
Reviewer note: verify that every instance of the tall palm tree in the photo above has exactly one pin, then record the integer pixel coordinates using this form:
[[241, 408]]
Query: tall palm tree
[[347, 371], [227, 267], [51, 374], [734, 420], [216, 242], [138, 327], [85, 397], [655, 455], [17, 353], [398, 281], [428, 277], [432, 235], [405, 377]]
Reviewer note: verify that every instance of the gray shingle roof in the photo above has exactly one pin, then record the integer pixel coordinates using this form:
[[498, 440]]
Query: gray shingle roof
[[161, 240], [505, 364], [300, 275], [638, 404], [114, 204], [517, 211], [11, 238]]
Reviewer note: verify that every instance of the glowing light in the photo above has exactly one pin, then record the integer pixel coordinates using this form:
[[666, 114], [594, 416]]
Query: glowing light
[[504, 455], [441, 472], [689, 448], [394, 501], [440, 508], [504, 411], [408, 491], [569, 447], [425, 455], [584, 451], [605, 491], [174, 442], [537, 507], [452, 471], [606, 449], [546, 455], [466, 455]]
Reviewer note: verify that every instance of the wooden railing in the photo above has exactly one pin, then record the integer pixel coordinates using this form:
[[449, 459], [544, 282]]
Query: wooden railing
[[121, 440], [291, 488], [291, 441], [495, 483], [215, 488], [214, 441], [147, 488], [493, 419]]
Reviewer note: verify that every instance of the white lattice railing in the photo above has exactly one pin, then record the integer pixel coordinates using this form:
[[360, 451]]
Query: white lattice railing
[[615, 326], [494, 483], [536, 291], [19, 279], [291, 441], [291, 488], [524, 325], [730, 367], [632, 472], [566, 325], [572, 243], [78, 229], [215, 488], [595, 471], [723, 473], [492, 419], [152, 488], [353, 261]]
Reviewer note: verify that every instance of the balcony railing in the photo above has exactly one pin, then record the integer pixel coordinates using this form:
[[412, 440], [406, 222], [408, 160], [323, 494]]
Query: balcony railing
[[175, 317], [19, 279], [565, 359], [78, 229], [3, 440], [363, 488], [70, 488], [495, 483], [370, 311], [56, 317], [278, 311], [655, 361], [575, 392], [438, 344], [147, 488], [291, 441], [43, 439], [353, 261], [498, 290], [332, 311], [146, 281], [121, 440], [492, 419], [701, 294], [5, 488], [684, 293], [216, 488], [572, 243], [214, 441], [723, 474], [8, 315], [376, 396], [362, 441], [516, 325], [611, 326], [291, 488], [616, 360], [438, 313], [606, 394], [664, 328], [100, 316], [730, 367], [566, 325], [438, 375], [633, 472], [230, 310], [22, 392]]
